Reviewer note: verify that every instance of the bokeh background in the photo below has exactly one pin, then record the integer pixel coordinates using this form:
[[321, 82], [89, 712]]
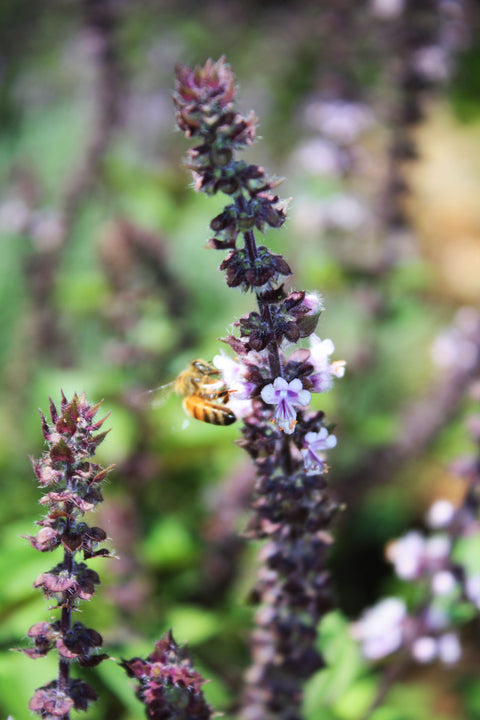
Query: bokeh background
[[371, 112]]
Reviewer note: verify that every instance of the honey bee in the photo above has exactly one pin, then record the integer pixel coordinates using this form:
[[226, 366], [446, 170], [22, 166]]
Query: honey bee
[[204, 393]]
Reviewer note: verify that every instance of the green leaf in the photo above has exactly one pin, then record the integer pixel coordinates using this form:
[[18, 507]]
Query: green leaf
[[191, 624], [120, 686], [20, 677], [344, 664], [467, 553], [356, 700]]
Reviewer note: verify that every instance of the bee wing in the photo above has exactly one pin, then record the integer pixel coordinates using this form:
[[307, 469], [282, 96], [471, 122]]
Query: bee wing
[[157, 396]]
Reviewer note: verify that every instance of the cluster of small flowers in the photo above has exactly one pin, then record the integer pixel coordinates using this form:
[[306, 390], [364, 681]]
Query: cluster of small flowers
[[72, 484], [387, 627], [204, 99], [270, 385], [169, 687], [416, 63], [432, 562], [288, 397], [339, 125]]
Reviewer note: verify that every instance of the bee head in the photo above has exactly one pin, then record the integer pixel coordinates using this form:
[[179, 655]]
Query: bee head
[[203, 368]]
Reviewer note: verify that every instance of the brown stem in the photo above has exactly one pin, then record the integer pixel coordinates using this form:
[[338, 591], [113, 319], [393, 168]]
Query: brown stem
[[65, 625], [286, 455], [63, 664], [250, 245], [264, 307], [421, 423], [66, 616], [389, 678], [273, 353]]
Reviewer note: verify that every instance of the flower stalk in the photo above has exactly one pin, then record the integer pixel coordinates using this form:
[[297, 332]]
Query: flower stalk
[[168, 685], [71, 482], [271, 383]]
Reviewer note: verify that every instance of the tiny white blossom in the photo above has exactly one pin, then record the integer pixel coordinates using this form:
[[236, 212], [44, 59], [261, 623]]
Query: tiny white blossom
[[387, 9], [324, 370], [443, 582], [406, 555], [287, 396], [449, 649], [338, 368], [315, 443], [437, 549], [453, 349], [380, 628], [413, 555], [440, 514], [432, 62], [424, 649]]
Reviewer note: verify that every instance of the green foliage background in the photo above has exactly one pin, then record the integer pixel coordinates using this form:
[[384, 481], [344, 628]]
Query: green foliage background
[[162, 500]]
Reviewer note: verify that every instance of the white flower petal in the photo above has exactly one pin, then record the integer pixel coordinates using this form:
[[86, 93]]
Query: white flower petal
[[280, 384], [268, 394], [295, 385], [304, 397]]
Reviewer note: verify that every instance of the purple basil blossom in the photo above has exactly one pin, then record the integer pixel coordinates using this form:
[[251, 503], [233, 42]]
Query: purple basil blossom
[[437, 550], [287, 396], [440, 514], [449, 649], [233, 373], [324, 370], [284, 652], [424, 649], [413, 555], [406, 554], [380, 629], [445, 648], [443, 582], [316, 443]]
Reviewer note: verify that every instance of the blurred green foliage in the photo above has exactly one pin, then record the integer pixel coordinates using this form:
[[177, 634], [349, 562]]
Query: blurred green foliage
[[161, 503]]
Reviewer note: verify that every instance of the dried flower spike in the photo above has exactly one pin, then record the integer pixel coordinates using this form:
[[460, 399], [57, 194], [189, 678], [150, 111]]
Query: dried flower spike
[[71, 482]]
